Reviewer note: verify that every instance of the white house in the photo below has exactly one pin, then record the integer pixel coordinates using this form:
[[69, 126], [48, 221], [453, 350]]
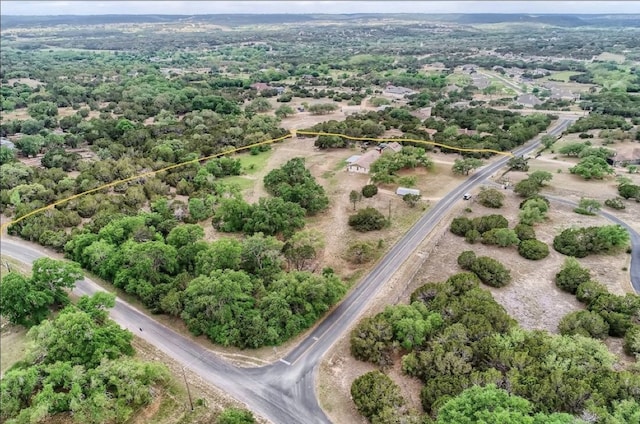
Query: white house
[[363, 163]]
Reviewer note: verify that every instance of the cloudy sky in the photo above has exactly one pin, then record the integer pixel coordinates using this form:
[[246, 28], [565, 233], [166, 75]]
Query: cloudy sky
[[213, 7]]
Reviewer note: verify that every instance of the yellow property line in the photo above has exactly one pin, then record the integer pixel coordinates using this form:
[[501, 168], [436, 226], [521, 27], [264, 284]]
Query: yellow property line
[[292, 133]]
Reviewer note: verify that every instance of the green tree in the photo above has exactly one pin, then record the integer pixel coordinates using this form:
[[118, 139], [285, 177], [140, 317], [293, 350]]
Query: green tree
[[374, 391], [526, 188], [369, 190], [540, 177], [27, 301], [75, 337], [588, 206], [518, 163], [355, 197], [284, 110], [372, 341], [367, 219], [592, 167], [491, 405], [225, 253], [411, 199], [303, 247], [466, 165], [490, 198]]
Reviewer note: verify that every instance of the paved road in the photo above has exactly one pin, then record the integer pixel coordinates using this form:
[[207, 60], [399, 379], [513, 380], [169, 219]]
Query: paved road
[[284, 392]]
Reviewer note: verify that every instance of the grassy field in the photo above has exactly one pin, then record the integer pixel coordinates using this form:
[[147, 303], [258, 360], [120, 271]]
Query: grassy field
[[561, 76], [252, 164], [461, 80]]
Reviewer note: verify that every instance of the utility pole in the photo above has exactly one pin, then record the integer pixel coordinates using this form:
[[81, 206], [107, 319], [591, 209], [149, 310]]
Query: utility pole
[[188, 391]]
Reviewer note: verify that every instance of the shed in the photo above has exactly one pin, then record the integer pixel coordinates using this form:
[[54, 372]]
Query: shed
[[401, 191], [352, 159]]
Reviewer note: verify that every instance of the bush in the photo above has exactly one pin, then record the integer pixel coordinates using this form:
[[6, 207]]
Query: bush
[[533, 249], [571, 276], [235, 416], [491, 198], [502, 237], [373, 392], [489, 222], [615, 203], [584, 323], [491, 272], [472, 236], [460, 226], [466, 259], [589, 290], [580, 242], [369, 190], [525, 232], [367, 219], [632, 340], [361, 252]]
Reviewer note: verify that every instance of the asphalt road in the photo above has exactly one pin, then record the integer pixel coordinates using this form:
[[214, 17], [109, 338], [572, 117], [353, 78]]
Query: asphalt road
[[284, 392]]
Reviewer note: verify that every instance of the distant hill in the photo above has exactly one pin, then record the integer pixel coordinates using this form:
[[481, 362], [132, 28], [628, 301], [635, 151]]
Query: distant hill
[[612, 20]]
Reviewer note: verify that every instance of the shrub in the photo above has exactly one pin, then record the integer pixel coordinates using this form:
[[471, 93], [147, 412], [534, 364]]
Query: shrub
[[580, 242], [632, 340], [584, 323], [360, 252], [615, 203], [502, 237], [369, 190], [589, 290], [629, 191], [367, 219], [460, 226], [533, 249], [571, 276], [489, 222], [491, 198], [525, 232], [373, 392], [472, 236], [466, 259], [491, 272], [235, 416]]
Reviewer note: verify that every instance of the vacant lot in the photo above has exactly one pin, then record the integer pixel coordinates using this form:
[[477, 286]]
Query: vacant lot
[[532, 297]]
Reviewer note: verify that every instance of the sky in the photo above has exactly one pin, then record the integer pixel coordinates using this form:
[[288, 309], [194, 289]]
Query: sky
[[215, 7]]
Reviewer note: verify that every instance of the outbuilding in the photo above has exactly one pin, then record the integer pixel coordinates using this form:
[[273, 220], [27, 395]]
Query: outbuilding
[[401, 191]]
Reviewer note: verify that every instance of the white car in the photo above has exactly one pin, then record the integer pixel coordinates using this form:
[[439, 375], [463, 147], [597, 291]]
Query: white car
[[467, 196]]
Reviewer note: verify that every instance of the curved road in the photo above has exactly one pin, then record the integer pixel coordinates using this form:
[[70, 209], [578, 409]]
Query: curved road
[[284, 392]]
